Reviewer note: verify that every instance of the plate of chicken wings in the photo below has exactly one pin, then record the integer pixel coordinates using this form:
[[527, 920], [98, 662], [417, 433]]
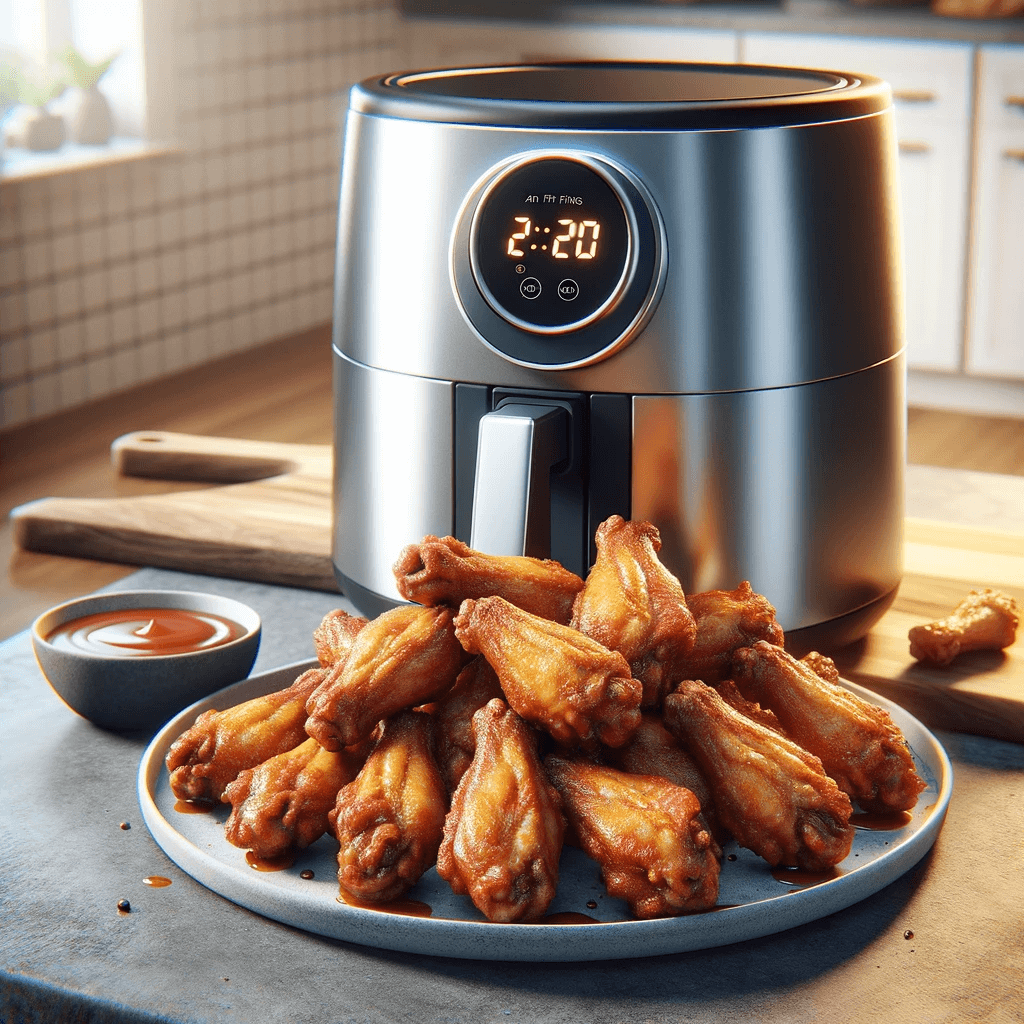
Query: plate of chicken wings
[[520, 764]]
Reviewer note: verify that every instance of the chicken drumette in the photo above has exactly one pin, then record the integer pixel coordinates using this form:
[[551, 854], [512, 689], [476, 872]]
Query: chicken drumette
[[220, 744], [632, 604], [388, 820], [857, 742], [281, 806], [726, 620], [404, 657], [984, 620], [443, 570], [653, 750], [772, 795], [553, 675], [646, 833], [503, 834]]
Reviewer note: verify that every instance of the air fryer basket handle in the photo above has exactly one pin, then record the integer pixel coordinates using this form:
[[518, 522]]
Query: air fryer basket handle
[[517, 448]]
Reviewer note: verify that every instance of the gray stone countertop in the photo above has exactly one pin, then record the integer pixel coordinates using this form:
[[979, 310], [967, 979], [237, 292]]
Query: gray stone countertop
[[941, 944]]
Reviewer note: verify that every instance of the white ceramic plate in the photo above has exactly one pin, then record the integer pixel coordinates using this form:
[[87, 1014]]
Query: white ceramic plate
[[752, 903]]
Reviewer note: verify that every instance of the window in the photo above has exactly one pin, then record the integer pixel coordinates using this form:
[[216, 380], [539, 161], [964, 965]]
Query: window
[[33, 33]]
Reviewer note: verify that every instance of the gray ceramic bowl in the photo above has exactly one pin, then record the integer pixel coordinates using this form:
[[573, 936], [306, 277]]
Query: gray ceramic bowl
[[135, 693]]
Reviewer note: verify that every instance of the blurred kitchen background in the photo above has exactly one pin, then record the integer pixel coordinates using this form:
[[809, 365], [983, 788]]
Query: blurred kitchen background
[[205, 225]]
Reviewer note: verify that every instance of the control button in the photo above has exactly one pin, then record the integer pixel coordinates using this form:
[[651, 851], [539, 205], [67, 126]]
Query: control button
[[568, 289], [530, 288]]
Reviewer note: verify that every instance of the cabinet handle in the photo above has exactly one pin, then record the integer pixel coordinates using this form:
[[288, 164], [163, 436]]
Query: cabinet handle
[[913, 146], [1015, 101], [914, 96], [1014, 154]]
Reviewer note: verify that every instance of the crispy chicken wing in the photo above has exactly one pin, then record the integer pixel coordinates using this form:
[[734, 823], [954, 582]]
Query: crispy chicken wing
[[334, 637], [443, 570], [404, 657], [503, 834], [389, 819], [645, 832], [281, 806], [632, 604], [771, 794], [726, 620], [210, 754], [553, 675], [857, 742], [454, 743], [653, 750], [984, 620]]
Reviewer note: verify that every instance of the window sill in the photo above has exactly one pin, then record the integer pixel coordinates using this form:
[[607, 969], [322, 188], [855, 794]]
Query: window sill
[[23, 165]]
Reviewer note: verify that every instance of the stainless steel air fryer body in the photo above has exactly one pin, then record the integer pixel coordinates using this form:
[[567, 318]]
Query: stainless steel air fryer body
[[671, 292]]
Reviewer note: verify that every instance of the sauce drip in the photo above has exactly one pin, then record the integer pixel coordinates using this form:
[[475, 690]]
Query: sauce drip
[[193, 806], [877, 822], [410, 908], [156, 881], [269, 863], [145, 632], [798, 876], [307, 874]]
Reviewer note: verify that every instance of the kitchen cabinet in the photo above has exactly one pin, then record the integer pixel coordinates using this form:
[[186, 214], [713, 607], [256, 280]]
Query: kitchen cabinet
[[931, 85], [995, 336]]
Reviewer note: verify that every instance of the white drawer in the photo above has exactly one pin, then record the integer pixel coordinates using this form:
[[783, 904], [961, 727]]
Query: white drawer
[[1001, 87], [931, 82]]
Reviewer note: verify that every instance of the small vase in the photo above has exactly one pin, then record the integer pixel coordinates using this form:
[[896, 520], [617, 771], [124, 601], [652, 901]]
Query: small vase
[[89, 118], [39, 130]]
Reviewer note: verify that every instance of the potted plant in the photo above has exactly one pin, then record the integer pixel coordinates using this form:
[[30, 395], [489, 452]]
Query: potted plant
[[89, 118], [34, 126]]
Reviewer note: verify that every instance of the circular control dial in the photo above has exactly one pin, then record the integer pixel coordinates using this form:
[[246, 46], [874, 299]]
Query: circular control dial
[[558, 259], [551, 246]]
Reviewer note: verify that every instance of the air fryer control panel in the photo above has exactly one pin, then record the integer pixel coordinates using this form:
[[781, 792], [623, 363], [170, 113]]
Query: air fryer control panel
[[557, 259]]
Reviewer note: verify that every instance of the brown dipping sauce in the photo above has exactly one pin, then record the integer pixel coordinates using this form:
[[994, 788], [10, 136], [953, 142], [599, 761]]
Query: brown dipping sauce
[[145, 632]]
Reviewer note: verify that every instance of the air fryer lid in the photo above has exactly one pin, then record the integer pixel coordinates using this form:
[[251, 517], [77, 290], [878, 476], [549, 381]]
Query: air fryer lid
[[633, 95]]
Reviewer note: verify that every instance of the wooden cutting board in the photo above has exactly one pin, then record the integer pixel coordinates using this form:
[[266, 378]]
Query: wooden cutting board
[[269, 520]]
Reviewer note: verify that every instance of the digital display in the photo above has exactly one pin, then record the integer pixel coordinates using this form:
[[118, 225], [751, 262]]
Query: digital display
[[551, 244]]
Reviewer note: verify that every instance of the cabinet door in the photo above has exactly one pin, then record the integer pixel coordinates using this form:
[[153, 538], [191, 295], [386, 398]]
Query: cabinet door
[[995, 341], [931, 85]]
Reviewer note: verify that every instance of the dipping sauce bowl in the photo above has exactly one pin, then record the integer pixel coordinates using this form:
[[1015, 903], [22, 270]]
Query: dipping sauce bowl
[[131, 660]]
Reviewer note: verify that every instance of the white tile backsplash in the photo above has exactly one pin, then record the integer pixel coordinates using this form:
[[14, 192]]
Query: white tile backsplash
[[120, 273]]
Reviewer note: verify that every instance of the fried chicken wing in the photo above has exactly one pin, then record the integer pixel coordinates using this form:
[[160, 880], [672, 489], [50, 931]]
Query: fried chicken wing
[[645, 832], [454, 743], [443, 570], [503, 834], [281, 805], [632, 604], [726, 620], [984, 620], [653, 750], [334, 637], [220, 744], [553, 675], [856, 741], [404, 657], [771, 794], [389, 819]]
